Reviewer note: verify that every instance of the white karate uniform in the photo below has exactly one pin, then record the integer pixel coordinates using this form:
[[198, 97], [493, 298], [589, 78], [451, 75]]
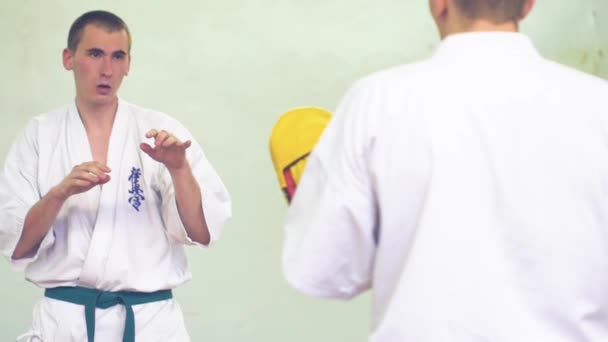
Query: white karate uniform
[[483, 173], [124, 235]]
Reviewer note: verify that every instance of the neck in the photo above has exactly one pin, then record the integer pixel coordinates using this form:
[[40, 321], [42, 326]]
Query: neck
[[98, 117], [479, 25], [488, 26]]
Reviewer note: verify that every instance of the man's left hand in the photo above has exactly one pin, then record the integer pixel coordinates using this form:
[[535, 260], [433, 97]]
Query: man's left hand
[[167, 149]]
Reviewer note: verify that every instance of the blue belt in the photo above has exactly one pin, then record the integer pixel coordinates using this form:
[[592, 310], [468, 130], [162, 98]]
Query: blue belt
[[92, 299]]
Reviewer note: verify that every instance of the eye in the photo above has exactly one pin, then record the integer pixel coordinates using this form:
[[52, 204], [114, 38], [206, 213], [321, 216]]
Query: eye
[[119, 56], [95, 53]]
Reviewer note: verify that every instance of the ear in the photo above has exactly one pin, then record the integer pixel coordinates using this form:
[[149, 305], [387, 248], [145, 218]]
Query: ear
[[439, 10], [527, 7], [128, 65], [68, 59]]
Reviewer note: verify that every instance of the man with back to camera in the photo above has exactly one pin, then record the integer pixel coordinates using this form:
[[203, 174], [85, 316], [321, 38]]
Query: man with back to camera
[[98, 218], [469, 191]]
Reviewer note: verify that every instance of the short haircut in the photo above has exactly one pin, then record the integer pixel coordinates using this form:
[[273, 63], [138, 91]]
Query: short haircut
[[103, 19], [498, 11]]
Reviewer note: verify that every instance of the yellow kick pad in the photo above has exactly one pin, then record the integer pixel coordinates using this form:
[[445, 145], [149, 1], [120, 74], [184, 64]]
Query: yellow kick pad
[[292, 139]]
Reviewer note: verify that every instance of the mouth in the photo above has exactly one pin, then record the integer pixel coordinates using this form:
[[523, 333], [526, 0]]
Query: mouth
[[104, 89]]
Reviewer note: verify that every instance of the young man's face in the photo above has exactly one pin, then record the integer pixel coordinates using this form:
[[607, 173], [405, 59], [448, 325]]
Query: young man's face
[[100, 62]]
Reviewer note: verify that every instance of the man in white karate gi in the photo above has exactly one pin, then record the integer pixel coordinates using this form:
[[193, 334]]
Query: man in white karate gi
[[98, 199], [468, 191]]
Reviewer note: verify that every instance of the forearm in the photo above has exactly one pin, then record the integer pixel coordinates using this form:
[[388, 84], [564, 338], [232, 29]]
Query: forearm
[[189, 204], [38, 222]]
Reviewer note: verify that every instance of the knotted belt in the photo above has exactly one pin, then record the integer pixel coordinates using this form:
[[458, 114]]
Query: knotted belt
[[92, 299]]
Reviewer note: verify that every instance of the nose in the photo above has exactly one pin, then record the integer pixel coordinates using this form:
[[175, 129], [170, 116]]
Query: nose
[[106, 67]]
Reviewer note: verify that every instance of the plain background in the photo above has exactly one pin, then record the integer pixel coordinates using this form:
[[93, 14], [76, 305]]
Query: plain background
[[227, 70]]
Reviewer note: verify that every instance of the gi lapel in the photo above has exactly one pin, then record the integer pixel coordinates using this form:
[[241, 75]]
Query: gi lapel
[[101, 242], [79, 151]]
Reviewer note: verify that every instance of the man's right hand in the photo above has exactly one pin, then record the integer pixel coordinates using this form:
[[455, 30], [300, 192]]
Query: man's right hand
[[82, 178], [43, 213]]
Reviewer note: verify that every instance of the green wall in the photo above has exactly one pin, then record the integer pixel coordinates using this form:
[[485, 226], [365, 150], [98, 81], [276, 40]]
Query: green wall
[[228, 69]]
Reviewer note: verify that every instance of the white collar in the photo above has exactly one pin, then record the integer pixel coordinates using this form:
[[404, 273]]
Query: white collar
[[486, 46]]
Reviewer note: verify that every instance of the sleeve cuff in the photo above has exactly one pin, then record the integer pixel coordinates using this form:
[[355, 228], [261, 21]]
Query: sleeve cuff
[[313, 289], [22, 263], [216, 211]]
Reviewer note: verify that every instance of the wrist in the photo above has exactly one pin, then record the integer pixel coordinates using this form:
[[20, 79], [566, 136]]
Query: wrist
[[179, 171], [57, 194]]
